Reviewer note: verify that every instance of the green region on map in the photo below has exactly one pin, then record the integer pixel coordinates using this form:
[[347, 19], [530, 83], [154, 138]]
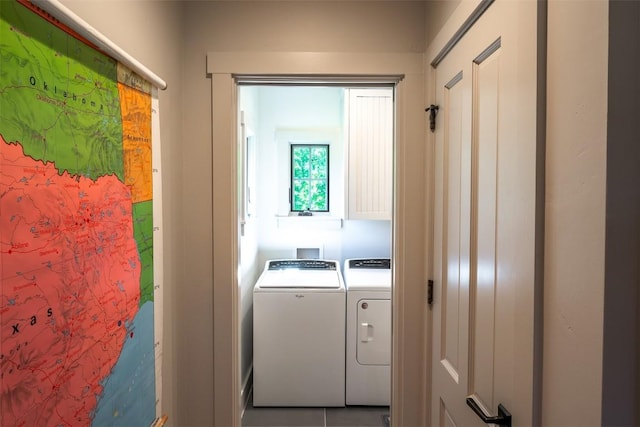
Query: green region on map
[[143, 233], [58, 89]]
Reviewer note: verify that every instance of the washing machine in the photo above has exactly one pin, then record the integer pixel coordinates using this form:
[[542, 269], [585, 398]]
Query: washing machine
[[368, 356], [299, 334]]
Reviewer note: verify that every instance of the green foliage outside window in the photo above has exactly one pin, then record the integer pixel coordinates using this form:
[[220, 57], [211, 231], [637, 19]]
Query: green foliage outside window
[[310, 178]]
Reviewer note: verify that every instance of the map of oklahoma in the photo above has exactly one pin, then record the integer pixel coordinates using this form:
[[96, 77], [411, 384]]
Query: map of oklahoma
[[75, 222]]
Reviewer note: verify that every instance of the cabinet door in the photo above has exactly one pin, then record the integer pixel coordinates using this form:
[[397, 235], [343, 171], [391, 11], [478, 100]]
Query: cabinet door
[[370, 153]]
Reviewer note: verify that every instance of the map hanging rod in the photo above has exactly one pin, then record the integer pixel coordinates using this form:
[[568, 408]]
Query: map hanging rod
[[73, 21]]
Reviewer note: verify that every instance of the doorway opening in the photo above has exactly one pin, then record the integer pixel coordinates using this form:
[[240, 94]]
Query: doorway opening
[[315, 181]]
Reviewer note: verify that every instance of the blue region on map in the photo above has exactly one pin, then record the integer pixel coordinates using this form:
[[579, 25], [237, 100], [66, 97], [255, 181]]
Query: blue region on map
[[125, 400]]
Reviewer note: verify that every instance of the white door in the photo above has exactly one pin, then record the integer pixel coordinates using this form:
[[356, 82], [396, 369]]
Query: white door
[[485, 221]]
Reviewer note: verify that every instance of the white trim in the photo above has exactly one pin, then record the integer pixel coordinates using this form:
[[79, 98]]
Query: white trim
[[77, 24], [317, 65], [245, 390], [453, 24], [225, 249], [349, 81], [315, 222], [475, 15]]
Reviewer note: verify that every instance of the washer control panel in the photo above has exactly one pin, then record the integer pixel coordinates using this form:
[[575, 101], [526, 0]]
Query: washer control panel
[[302, 264]]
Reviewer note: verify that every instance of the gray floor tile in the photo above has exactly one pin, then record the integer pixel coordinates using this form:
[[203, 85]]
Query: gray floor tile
[[283, 417], [356, 416]]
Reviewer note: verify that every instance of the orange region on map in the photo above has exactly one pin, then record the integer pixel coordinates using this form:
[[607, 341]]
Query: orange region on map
[[136, 134], [70, 288]]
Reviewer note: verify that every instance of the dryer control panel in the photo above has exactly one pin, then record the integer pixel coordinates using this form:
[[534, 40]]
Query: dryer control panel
[[382, 263]]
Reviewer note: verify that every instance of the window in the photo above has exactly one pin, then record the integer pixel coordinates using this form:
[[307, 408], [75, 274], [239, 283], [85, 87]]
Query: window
[[310, 177]]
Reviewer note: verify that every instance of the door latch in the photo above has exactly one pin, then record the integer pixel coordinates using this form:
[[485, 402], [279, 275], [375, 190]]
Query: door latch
[[433, 112]]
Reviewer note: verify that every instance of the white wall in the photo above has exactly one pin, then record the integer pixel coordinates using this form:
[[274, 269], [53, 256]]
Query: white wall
[[575, 212], [437, 13], [310, 26], [306, 114], [591, 371], [261, 26]]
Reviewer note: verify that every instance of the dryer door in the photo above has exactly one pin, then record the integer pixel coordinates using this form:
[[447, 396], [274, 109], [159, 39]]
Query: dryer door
[[374, 332]]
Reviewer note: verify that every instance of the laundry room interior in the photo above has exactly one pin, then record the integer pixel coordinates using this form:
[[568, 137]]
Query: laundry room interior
[[354, 123]]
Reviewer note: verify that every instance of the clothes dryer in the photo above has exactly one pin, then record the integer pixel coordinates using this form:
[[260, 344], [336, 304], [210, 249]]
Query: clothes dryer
[[368, 357], [299, 334]]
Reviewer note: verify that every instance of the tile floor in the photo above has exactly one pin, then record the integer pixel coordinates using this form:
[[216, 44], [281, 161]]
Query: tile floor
[[350, 416]]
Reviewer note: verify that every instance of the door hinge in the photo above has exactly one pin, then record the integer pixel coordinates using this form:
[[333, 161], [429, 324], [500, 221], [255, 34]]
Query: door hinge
[[430, 292], [433, 112]]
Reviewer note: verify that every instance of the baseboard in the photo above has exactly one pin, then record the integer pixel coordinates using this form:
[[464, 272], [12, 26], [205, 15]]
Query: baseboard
[[245, 391]]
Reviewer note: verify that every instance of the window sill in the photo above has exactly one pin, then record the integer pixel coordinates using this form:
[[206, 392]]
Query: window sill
[[314, 222]]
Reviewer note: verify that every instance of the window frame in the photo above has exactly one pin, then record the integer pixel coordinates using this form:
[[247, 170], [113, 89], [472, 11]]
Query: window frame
[[327, 147]]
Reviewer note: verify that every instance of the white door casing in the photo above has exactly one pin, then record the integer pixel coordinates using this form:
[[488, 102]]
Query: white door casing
[[487, 221], [409, 229]]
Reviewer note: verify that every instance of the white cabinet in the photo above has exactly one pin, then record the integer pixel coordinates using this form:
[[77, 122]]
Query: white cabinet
[[370, 153]]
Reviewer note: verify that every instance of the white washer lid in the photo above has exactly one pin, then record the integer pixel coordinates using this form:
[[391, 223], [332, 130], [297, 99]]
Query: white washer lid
[[360, 274], [299, 279], [316, 274]]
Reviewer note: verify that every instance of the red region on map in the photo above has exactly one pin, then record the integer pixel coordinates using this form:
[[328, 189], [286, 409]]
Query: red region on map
[[70, 290]]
